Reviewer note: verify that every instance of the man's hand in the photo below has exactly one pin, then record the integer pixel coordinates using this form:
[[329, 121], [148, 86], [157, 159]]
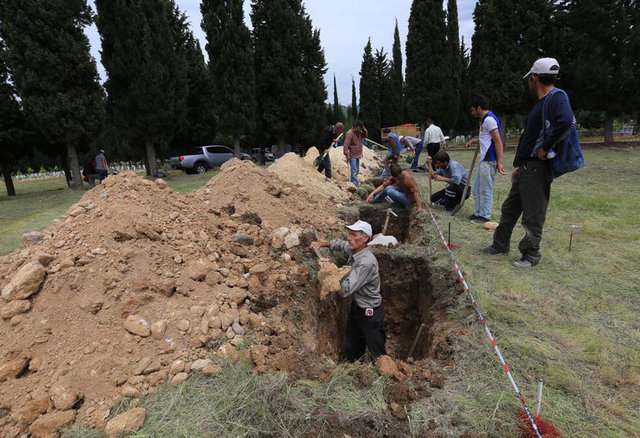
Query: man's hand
[[324, 262], [370, 197], [471, 142], [501, 170], [513, 175], [420, 209], [394, 156], [348, 158], [542, 154], [315, 245]]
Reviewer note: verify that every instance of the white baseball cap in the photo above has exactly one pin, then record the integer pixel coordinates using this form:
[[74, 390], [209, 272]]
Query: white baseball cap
[[361, 226], [544, 66], [401, 137]]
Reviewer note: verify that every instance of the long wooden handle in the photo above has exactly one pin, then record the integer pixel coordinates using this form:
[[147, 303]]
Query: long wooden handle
[[318, 253], [473, 164]]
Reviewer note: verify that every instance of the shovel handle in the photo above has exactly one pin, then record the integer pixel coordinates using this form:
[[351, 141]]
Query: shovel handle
[[318, 253]]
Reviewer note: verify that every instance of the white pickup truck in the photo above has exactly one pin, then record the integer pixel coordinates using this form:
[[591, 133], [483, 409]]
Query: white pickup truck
[[204, 158]]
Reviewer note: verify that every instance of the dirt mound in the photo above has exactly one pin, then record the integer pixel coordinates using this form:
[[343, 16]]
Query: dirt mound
[[294, 169], [137, 285], [370, 163], [243, 187]]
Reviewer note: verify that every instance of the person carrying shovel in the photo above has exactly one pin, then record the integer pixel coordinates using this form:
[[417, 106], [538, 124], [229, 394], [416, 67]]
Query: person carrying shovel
[[365, 328], [456, 177]]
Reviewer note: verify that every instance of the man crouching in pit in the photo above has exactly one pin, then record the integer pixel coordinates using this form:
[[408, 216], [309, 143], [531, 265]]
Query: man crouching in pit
[[366, 318]]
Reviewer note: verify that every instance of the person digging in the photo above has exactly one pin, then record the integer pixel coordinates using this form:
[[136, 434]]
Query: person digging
[[400, 189], [365, 324], [454, 174]]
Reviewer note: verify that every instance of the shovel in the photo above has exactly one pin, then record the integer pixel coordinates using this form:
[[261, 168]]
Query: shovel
[[466, 187], [382, 240]]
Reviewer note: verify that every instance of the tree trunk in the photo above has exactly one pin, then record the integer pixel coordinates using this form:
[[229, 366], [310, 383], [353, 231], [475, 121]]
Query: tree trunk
[[151, 158], [281, 147], [67, 172], [74, 166], [236, 146], [608, 128], [8, 181], [503, 131]]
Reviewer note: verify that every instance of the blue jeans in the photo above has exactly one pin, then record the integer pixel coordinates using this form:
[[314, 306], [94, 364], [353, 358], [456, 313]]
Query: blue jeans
[[398, 196], [419, 147], [483, 188], [354, 163]]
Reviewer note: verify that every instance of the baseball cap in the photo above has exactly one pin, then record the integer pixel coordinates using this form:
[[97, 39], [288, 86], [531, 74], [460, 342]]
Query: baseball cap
[[361, 226], [401, 137], [544, 66]]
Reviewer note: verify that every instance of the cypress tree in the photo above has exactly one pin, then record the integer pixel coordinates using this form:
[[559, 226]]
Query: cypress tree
[[526, 32], [354, 103], [428, 61], [395, 107], [369, 93], [338, 114], [195, 117], [289, 69], [54, 73], [596, 34], [11, 123], [146, 83], [383, 77], [454, 83], [232, 67]]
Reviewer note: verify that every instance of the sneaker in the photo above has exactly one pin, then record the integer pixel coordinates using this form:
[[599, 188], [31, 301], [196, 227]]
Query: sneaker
[[388, 200], [473, 216], [492, 250], [524, 263], [479, 220]]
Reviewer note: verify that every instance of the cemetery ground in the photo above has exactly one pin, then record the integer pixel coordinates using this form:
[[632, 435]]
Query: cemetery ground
[[572, 320]]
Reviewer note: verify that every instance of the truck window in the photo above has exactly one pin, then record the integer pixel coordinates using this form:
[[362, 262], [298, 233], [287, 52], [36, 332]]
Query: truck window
[[218, 150]]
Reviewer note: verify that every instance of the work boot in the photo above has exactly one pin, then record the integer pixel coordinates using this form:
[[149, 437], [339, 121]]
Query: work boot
[[524, 263], [492, 250]]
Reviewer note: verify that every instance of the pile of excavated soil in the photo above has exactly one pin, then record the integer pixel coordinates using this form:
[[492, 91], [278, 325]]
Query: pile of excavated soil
[[137, 285], [294, 169], [370, 163]]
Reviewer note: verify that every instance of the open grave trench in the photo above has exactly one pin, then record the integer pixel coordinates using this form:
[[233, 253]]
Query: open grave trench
[[414, 291]]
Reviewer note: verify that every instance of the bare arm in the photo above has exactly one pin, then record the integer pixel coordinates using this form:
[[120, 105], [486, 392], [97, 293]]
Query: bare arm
[[495, 135]]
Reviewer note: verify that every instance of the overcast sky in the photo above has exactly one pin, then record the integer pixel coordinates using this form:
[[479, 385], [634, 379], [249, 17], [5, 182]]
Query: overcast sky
[[344, 27]]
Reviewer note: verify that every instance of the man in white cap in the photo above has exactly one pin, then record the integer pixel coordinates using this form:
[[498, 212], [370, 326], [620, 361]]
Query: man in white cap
[[366, 318], [531, 181]]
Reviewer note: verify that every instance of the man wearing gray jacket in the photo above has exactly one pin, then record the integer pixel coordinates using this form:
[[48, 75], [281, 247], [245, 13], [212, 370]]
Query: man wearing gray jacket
[[365, 325]]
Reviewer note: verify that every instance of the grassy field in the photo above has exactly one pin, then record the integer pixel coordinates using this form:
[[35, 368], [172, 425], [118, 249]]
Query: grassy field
[[572, 320]]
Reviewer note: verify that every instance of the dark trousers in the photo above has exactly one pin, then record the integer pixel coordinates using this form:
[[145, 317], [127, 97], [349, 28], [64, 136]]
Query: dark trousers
[[102, 174], [450, 196], [325, 165], [529, 196], [364, 332]]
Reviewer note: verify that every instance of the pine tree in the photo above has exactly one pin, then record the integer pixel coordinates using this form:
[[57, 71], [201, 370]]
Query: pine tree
[[465, 121], [54, 73], [354, 103], [232, 67], [290, 66], [146, 76], [454, 83], [428, 66], [338, 114], [395, 107], [596, 35], [11, 123]]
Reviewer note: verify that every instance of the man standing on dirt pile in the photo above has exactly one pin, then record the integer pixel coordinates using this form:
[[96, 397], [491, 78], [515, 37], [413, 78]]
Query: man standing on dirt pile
[[531, 181], [451, 172], [353, 149], [401, 189], [490, 159], [327, 141], [394, 149], [365, 322]]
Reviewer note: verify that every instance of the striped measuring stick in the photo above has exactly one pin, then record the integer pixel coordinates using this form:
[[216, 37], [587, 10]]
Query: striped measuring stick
[[483, 321]]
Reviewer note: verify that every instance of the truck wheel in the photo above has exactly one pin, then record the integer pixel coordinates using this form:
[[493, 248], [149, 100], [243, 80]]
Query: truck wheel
[[200, 168]]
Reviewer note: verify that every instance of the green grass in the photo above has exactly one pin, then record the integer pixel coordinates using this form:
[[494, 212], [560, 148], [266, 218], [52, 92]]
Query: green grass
[[572, 320]]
